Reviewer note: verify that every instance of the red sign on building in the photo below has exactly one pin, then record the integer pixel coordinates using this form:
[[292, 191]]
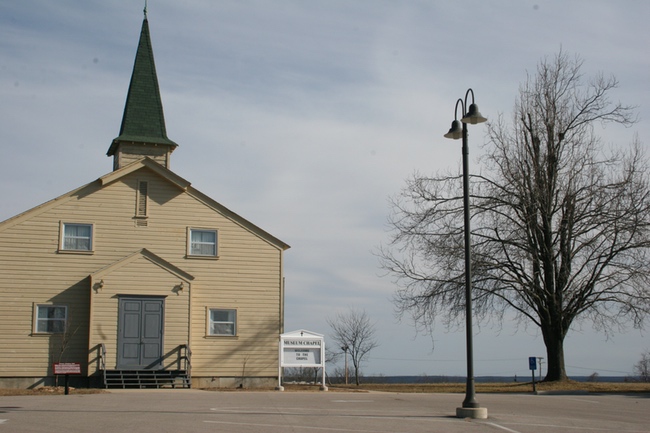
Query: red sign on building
[[66, 368]]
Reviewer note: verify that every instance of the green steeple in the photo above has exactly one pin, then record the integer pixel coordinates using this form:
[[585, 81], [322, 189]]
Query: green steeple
[[143, 120]]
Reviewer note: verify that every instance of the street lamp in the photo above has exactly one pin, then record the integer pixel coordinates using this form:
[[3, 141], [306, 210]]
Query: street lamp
[[470, 408], [345, 349]]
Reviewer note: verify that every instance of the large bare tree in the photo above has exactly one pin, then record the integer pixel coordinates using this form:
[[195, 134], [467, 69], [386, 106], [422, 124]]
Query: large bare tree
[[560, 224], [354, 333]]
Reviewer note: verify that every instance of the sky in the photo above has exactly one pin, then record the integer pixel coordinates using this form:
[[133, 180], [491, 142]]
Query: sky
[[305, 117]]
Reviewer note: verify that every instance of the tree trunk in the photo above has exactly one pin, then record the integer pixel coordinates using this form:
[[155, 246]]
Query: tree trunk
[[554, 340]]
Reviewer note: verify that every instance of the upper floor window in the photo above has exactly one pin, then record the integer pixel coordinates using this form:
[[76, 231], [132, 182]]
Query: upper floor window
[[76, 237], [51, 319], [202, 243]]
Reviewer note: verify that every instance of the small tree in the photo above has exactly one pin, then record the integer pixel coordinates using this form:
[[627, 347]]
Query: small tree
[[60, 342], [642, 368], [65, 337], [354, 331]]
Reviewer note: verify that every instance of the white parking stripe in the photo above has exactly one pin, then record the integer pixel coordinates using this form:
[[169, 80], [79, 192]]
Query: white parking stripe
[[501, 427], [294, 427]]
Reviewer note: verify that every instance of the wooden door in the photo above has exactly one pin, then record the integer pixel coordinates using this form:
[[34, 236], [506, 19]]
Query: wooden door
[[140, 333]]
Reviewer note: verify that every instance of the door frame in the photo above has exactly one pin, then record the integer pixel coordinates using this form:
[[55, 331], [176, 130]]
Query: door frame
[[120, 312]]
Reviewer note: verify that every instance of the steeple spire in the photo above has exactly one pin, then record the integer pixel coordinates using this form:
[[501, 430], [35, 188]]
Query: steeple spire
[[142, 132]]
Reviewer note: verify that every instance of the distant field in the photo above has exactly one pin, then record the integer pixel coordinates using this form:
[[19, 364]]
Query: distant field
[[511, 387]]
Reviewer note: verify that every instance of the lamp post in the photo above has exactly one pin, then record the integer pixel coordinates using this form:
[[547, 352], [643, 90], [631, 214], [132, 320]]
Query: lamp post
[[345, 349], [470, 407]]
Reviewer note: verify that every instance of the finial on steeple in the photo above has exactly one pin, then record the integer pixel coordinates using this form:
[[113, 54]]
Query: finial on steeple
[[145, 9]]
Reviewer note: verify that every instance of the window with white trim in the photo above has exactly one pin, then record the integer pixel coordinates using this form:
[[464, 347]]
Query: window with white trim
[[76, 237], [50, 319], [222, 322], [202, 243]]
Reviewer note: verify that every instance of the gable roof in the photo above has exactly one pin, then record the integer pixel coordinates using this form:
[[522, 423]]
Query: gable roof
[[185, 185], [148, 255], [150, 164], [143, 120], [163, 172]]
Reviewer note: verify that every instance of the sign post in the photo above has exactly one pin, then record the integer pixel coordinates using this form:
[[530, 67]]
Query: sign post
[[302, 349], [66, 369], [532, 364]]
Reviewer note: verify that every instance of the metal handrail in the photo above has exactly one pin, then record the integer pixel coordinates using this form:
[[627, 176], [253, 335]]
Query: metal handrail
[[102, 357], [187, 361], [102, 362]]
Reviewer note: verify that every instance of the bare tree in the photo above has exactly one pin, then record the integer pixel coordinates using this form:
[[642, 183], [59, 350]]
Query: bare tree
[[60, 342], [560, 226], [642, 368], [354, 331], [65, 338], [302, 374]]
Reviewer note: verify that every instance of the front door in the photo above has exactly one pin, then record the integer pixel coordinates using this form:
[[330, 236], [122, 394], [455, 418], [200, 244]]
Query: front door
[[140, 333]]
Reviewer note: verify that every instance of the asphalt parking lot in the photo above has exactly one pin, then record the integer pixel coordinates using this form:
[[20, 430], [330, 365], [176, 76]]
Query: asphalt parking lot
[[270, 412]]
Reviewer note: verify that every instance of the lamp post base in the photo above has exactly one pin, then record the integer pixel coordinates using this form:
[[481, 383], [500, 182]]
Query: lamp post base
[[472, 412]]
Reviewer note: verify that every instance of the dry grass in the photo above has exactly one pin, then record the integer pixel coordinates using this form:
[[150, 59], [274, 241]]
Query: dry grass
[[508, 387], [511, 387], [48, 390]]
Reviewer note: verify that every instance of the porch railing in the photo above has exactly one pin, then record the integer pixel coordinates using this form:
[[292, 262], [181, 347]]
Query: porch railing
[[186, 359], [143, 378], [102, 361]]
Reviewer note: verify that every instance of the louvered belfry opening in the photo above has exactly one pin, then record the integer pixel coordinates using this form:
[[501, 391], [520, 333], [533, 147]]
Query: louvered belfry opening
[[141, 206]]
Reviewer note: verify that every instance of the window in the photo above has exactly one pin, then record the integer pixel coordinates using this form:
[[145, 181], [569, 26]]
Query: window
[[202, 243], [77, 237], [222, 322], [51, 318]]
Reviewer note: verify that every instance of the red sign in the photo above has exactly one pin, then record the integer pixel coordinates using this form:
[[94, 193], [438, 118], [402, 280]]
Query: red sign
[[66, 368]]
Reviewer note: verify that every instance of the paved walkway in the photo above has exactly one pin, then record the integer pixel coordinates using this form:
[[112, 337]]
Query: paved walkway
[[318, 412]]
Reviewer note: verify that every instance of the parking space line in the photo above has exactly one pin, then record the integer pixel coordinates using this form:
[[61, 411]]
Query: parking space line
[[294, 427], [501, 427], [567, 427]]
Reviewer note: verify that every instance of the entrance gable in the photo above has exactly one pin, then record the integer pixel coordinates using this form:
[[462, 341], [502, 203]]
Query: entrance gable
[[97, 278], [146, 276]]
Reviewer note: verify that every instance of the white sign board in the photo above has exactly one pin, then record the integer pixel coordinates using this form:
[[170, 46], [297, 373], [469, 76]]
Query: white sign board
[[302, 349], [301, 352]]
